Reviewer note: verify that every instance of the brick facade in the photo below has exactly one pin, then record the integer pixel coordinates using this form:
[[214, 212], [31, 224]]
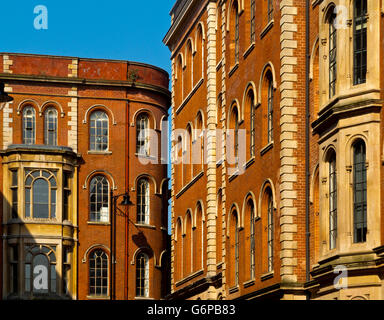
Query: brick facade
[[77, 88]]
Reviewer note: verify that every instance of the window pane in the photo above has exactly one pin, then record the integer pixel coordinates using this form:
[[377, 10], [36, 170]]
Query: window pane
[[40, 199]]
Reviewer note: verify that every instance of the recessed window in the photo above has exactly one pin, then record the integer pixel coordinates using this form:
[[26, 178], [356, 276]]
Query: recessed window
[[142, 275], [251, 208], [359, 192], [29, 125], [51, 127], [360, 42], [142, 135], [14, 190], [143, 201], [270, 10], [98, 273], [40, 194], [253, 20], [252, 106], [99, 199], [270, 228], [270, 109], [332, 202], [40, 270], [332, 55], [98, 131]]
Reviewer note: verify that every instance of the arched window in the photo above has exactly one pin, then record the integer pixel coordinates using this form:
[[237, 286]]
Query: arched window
[[198, 154], [99, 199], [98, 273], [360, 41], [332, 201], [233, 274], [252, 110], [359, 192], [29, 125], [234, 45], [142, 135], [50, 116], [143, 201], [236, 249], [332, 54], [198, 59], [188, 245], [270, 108], [253, 21], [142, 275], [251, 208], [188, 164], [179, 81], [179, 162], [198, 239], [40, 194], [270, 232], [270, 10], [234, 131], [98, 131], [219, 228], [188, 69], [178, 261], [40, 270]]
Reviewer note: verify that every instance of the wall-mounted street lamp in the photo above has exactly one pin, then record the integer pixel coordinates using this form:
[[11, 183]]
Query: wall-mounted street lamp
[[125, 202], [4, 97]]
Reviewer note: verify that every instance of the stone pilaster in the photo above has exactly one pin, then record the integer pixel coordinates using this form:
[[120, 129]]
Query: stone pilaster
[[73, 119], [223, 143], [173, 221], [73, 68], [211, 144], [7, 63], [288, 111]]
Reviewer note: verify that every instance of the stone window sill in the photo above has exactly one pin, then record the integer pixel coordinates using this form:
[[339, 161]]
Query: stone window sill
[[102, 153], [266, 29], [268, 147], [249, 50], [266, 276], [190, 277], [233, 69]]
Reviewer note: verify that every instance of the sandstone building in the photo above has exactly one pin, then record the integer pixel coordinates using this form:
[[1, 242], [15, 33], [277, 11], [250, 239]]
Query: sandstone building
[[72, 141], [296, 89]]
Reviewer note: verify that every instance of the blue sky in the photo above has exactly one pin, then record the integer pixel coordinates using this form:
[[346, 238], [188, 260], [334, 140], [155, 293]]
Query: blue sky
[[114, 29]]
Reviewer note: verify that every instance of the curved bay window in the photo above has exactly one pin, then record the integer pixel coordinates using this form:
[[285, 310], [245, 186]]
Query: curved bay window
[[359, 192], [50, 134], [98, 131], [29, 125], [98, 273], [142, 275], [360, 41], [143, 201], [142, 135], [40, 270], [40, 194], [99, 199]]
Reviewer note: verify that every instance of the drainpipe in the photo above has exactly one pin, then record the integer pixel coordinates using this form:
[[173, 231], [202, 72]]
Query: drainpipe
[[307, 137]]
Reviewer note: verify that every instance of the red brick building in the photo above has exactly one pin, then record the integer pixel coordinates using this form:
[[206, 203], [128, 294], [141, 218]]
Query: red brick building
[[299, 105], [79, 136]]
